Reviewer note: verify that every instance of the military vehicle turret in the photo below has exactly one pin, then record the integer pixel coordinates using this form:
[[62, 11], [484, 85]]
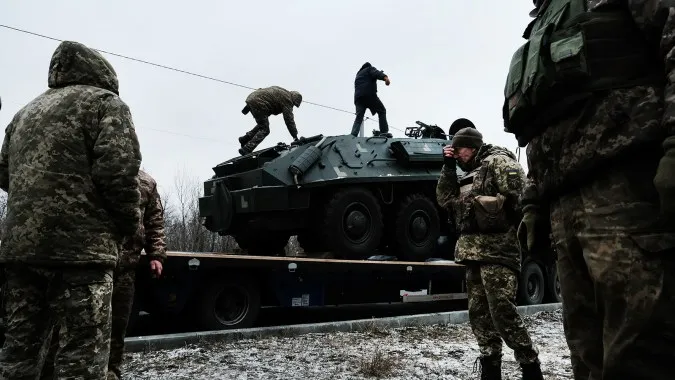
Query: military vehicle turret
[[352, 196]]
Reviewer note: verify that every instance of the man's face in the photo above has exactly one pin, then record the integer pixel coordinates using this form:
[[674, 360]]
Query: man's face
[[464, 154]]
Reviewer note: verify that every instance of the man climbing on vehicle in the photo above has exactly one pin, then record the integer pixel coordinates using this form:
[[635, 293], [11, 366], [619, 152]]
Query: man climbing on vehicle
[[262, 103]]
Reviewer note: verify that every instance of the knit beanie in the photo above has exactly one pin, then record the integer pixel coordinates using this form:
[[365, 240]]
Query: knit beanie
[[467, 138]]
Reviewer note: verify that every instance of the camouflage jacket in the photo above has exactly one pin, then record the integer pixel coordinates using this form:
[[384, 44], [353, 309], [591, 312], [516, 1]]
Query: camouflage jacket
[[493, 171], [69, 163], [150, 234], [273, 101], [610, 126]]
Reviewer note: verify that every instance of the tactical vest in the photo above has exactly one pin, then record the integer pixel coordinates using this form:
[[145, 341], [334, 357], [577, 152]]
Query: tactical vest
[[570, 54]]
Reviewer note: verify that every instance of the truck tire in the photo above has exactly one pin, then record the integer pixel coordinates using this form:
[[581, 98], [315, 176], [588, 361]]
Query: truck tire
[[417, 228], [553, 284], [231, 303], [353, 225], [531, 285]]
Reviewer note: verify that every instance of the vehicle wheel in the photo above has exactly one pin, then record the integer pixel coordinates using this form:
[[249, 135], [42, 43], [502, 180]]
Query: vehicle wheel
[[531, 285], [229, 304], [263, 243], [353, 224], [417, 228], [553, 293]]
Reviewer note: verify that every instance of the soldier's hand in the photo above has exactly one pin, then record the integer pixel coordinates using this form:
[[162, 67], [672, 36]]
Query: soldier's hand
[[156, 268], [448, 151], [527, 228], [387, 81], [664, 181]]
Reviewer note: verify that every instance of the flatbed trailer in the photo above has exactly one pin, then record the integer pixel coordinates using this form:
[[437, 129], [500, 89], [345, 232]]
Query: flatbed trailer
[[213, 291]]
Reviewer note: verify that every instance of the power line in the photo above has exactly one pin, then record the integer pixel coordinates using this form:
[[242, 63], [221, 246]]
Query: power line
[[184, 72]]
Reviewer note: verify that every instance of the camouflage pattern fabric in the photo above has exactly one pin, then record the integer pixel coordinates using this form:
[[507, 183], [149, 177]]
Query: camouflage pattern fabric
[[79, 299], [69, 163], [592, 176], [122, 302], [493, 315], [617, 274], [502, 175], [150, 234], [268, 101]]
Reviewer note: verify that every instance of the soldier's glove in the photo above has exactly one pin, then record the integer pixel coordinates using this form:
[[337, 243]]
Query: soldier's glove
[[665, 178], [527, 228]]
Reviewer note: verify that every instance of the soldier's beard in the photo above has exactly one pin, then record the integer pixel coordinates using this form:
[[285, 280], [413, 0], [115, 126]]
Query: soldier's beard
[[468, 166]]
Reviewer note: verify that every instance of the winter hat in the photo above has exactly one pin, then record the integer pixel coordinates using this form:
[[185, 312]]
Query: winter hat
[[459, 124], [467, 138]]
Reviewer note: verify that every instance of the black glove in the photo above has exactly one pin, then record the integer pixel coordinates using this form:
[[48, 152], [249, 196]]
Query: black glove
[[527, 231], [450, 162], [665, 178]]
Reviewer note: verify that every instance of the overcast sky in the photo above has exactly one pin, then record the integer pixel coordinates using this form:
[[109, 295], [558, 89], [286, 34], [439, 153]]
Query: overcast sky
[[446, 59]]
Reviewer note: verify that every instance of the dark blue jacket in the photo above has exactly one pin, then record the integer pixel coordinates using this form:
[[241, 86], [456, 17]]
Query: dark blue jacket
[[365, 83]]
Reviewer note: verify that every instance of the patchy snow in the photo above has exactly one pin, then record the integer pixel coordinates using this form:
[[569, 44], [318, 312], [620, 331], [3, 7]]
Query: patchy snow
[[430, 352]]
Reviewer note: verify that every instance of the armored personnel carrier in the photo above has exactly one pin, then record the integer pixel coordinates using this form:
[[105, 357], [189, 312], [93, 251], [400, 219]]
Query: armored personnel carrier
[[352, 196]]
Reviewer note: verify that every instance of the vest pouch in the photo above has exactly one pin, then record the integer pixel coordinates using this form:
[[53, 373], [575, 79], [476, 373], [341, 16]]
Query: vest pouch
[[490, 214], [569, 59]]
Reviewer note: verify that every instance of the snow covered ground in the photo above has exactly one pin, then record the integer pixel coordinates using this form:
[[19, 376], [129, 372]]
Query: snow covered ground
[[430, 352]]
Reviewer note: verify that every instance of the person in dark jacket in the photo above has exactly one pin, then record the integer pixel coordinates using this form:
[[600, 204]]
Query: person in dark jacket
[[365, 97]]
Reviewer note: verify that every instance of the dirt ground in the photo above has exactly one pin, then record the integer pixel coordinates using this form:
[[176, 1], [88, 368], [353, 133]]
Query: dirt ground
[[433, 352]]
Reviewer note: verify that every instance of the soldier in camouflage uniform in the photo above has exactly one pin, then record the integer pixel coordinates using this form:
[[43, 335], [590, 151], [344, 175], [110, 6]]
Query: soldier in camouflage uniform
[[262, 103], [149, 237], [592, 95], [484, 206], [69, 163]]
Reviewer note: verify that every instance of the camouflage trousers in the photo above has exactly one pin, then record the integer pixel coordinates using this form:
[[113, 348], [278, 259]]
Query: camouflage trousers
[[37, 298], [255, 136], [492, 312], [121, 304], [617, 276]]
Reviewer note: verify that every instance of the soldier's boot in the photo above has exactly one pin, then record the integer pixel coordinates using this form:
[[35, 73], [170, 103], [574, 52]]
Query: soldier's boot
[[383, 134], [532, 371], [243, 151], [490, 367], [243, 140]]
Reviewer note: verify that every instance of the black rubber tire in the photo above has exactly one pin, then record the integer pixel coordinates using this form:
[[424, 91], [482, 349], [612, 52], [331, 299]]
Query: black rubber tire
[[263, 243], [553, 284], [531, 284], [210, 317], [416, 206], [359, 204]]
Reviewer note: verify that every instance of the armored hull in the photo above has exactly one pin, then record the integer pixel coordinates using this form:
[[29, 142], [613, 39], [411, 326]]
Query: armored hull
[[351, 196]]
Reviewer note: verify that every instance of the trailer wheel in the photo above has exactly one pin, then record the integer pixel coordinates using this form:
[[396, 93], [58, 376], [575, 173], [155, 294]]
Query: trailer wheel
[[417, 228], [353, 225], [553, 293], [532, 284], [229, 304]]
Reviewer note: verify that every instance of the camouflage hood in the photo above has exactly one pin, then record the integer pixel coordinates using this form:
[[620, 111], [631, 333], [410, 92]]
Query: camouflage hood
[[73, 63], [297, 98]]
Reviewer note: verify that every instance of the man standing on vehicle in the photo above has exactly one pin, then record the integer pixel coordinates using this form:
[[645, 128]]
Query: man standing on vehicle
[[365, 97], [69, 163], [484, 204], [596, 112], [262, 103]]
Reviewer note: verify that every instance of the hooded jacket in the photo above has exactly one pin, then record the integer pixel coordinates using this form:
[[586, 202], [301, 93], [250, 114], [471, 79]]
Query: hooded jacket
[[365, 83], [494, 170], [69, 163], [274, 100]]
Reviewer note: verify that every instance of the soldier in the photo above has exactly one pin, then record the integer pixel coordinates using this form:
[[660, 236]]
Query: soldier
[[262, 103], [149, 237], [591, 95], [69, 163], [365, 97], [484, 205]]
